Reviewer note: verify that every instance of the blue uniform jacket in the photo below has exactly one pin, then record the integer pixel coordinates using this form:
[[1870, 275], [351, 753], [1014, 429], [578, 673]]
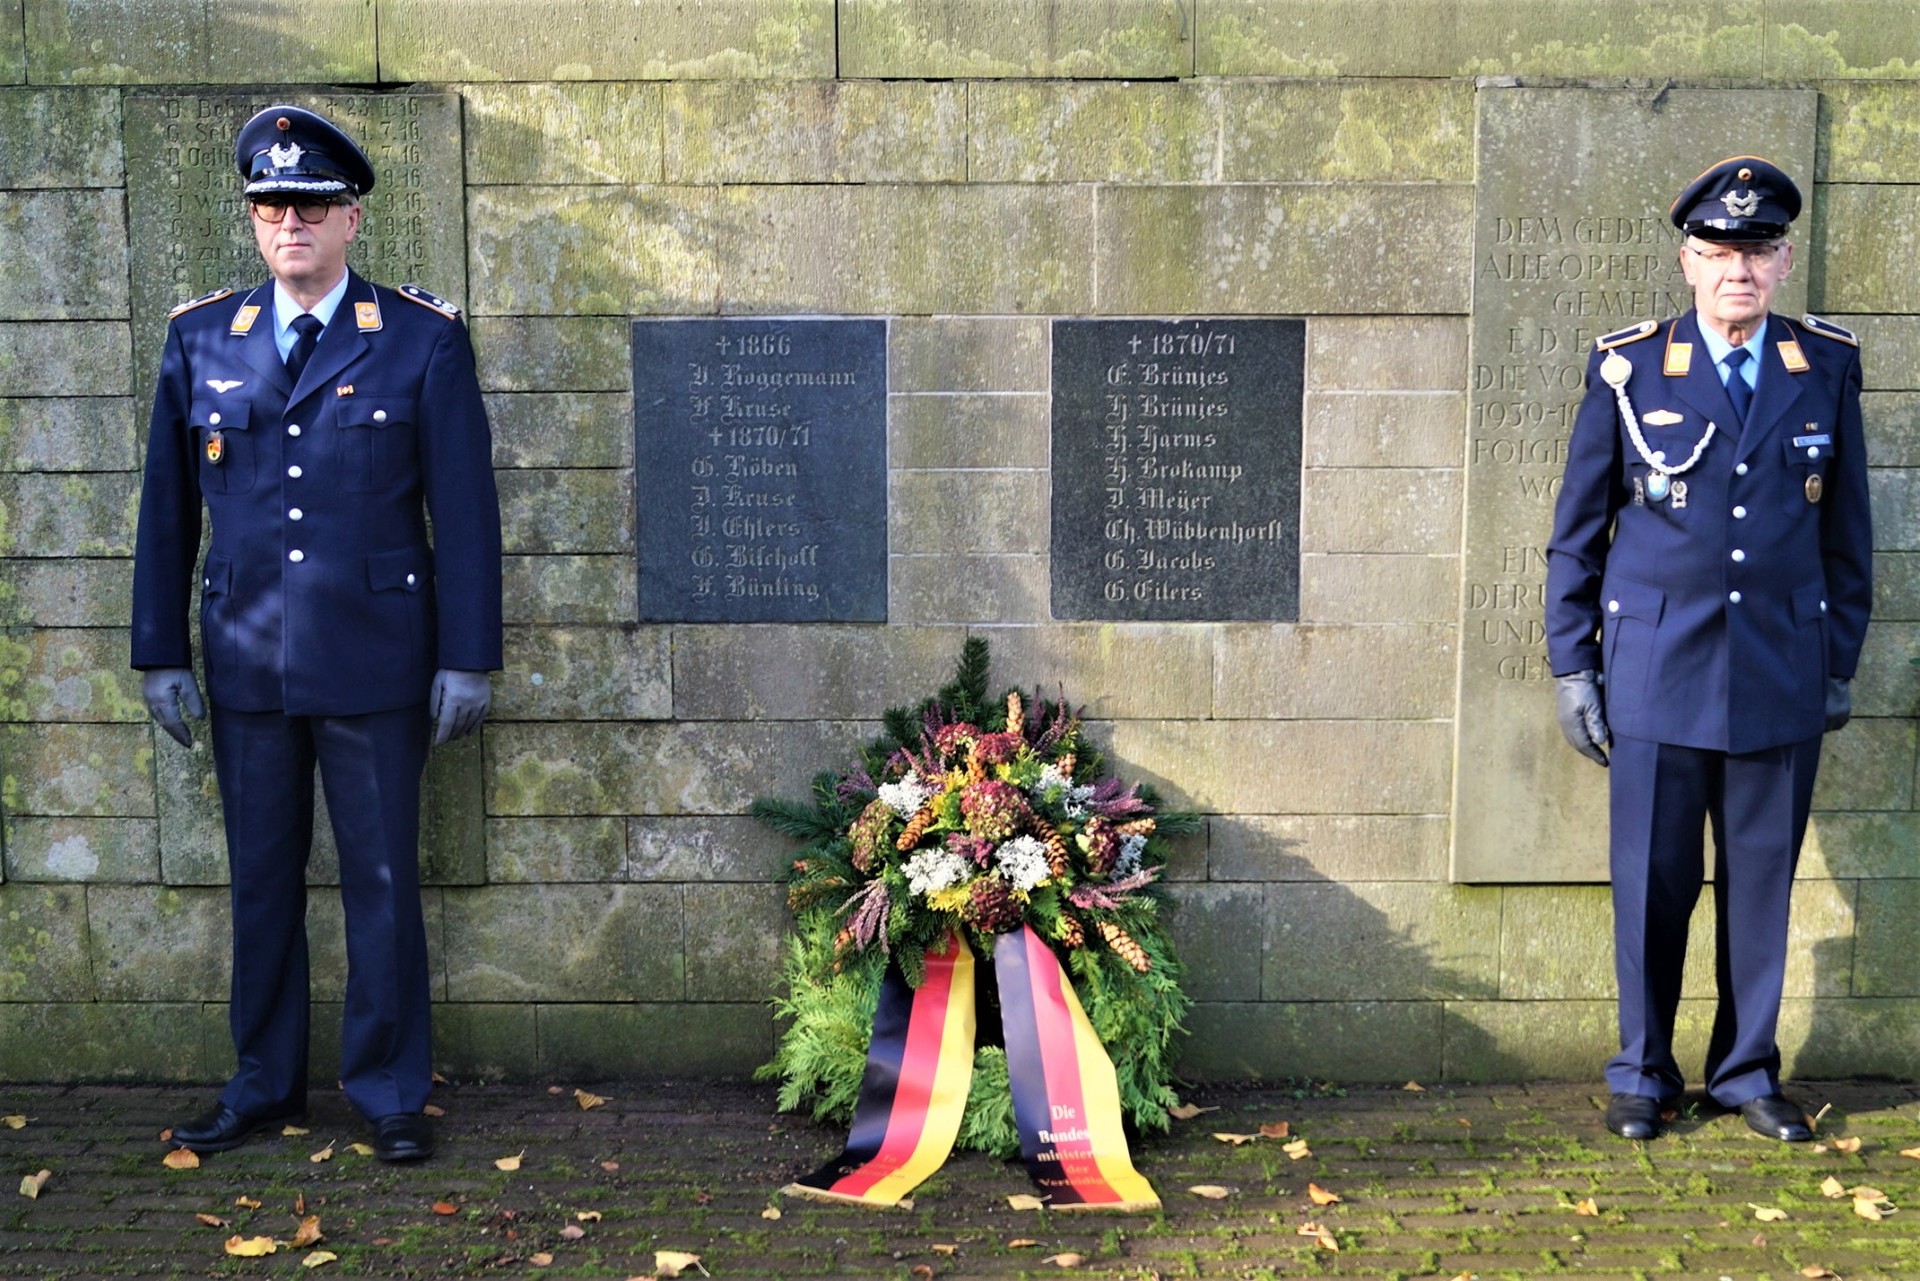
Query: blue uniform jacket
[[1716, 623], [321, 595]]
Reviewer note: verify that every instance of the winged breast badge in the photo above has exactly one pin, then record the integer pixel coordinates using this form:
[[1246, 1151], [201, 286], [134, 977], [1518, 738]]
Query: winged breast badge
[[223, 385]]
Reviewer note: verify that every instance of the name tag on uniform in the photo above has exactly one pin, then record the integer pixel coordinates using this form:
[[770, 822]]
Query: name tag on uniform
[[1801, 442]]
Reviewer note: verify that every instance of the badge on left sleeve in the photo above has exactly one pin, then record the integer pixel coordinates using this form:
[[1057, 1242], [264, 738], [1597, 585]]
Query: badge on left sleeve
[[216, 447]]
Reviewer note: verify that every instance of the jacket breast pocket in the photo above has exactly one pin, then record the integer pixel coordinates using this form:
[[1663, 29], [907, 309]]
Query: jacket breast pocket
[[223, 440], [1807, 461], [376, 439]]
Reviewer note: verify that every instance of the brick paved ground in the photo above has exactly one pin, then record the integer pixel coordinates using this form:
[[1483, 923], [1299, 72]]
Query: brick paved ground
[[1483, 1181]]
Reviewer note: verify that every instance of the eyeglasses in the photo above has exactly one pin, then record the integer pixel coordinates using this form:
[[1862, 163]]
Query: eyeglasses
[[274, 209], [1722, 256]]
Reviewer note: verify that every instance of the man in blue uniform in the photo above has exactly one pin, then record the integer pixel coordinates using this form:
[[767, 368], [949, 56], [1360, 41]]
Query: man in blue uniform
[[1708, 584], [321, 420]]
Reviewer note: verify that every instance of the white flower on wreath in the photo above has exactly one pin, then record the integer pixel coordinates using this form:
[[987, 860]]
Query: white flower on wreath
[[1023, 863], [1054, 783], [931, 871], [907, 796], [1128, 860]]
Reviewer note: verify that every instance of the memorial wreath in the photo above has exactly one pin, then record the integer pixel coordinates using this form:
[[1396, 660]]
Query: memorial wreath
[[989, 827]]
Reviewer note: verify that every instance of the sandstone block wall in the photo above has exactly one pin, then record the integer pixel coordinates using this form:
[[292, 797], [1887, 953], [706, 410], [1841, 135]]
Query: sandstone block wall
[[968, 169]]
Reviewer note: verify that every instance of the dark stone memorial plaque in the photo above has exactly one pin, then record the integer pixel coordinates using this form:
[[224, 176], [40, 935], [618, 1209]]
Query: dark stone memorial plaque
[[1176, 469], [190, 233], [760, 449]]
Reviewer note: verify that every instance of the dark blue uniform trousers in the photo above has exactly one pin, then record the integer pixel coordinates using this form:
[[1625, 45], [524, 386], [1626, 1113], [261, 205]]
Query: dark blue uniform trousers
[[1662, 798], [370, 766]]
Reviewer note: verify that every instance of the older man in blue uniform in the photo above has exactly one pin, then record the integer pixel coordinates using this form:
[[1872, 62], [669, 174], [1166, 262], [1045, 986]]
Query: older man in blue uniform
[[1708, 585], [321, 420]]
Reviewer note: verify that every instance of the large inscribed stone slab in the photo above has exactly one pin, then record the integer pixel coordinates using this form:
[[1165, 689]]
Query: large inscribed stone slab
[[760, 457], [1176, 469], [188, 221], [1570, 241]]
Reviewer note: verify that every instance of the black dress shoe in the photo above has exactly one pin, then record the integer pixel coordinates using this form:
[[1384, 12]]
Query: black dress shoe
[[404, 1136], [1634, 1116], [222, 1128], [1777, 1117]]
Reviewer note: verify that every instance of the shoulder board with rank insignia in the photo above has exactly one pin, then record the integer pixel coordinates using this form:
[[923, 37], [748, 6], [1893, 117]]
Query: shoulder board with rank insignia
[[201, 301], [1827, 329], [414, 293], [1621, 337]]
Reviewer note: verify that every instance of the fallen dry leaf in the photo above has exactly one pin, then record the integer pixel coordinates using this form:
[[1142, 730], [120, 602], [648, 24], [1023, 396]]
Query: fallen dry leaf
[[1022, 1243], [181, 1159], [1025, 1201], [572, 1232], [1326, 1241], [594, 1216], [1767, 1213], [1066, 1259], [556, 1089], [1462, 1120], [246, 1203], [1415, 1086], [1588, 1207], [1817, 1147], [586, 1100], [946, 1249], [611, 1167], [671, 1263], [307, 1233], [1297, 1150], [1235, 1139], [433, 1109], [1870, 1209], [317, 1258], [1187, 1111], [299, 1204], [508, 1163], [213, 1220], [540, 1260], [31, 1185], [1864, 1193], [445, 1207], [773, 1212], [1814, 1270], [360, 1149], [1308, 1229], [250, 1247], [1832, 1188], [1912, 1152], [324, 1154], [1276, 1129], [924, 1271], [1211, 1191], [14, 1122], [1321, 1196], [1851, 1144]]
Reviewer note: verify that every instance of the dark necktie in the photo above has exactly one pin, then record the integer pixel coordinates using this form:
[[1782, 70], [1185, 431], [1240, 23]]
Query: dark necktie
[[1737, 390], [308, 328]]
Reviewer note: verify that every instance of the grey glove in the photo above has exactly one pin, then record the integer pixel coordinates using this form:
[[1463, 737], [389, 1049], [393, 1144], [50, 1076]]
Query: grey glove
[[457, 703], [1582, 717], [167, 690], [1839, 702]]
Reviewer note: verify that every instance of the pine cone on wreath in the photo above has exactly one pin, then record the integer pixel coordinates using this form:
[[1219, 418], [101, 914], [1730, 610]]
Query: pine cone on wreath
[[916, 828], [1059, 860], [1072, 934], [1137, 827], [1123, 943]]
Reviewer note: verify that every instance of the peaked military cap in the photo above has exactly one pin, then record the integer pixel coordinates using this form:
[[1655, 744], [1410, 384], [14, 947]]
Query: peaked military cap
[[299, 152], [1743, 198]]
